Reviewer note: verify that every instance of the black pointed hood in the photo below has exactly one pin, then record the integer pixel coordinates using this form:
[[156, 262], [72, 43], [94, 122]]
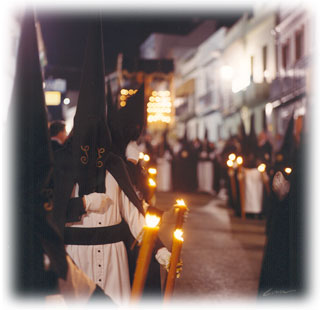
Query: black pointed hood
[[91, 135], [252, 138], [206, 134], [32, 169], [288, 144], [243, 138]]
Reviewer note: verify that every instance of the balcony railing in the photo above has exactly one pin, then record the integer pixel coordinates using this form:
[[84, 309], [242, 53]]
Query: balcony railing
[[294, 81]]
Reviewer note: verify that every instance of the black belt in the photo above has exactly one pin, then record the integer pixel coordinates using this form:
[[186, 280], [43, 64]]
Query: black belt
[[95, 235]]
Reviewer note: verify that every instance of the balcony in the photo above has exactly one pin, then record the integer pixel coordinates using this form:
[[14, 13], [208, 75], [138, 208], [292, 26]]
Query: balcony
[[256, 93], [292, 83], [282, 87], [207, 103]]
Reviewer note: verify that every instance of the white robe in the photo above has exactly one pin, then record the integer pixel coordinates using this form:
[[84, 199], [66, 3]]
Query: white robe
[[253, 190], [205, 174], [107, 265], [164, 182]]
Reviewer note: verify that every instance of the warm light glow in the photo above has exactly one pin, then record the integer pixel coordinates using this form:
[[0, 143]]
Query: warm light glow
[[66, 101], [123, 98], [123, 103], [287, 170], [141, 155], [52, 97], [131, 92], [146, 157], [232, 156], [152, 170], [152, 220], [178, 234], [262, 168], [152, 183], [230, 163], [159, 107], [226, 72], [124, 92], [180, 202], [239, 160]]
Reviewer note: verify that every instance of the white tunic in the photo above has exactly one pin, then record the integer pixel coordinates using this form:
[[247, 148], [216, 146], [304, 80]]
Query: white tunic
[[107, 265], [253, 190], [205, 174], [164, 183]]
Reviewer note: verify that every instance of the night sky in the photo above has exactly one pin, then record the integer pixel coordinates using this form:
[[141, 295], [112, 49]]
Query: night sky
[[64, 35]]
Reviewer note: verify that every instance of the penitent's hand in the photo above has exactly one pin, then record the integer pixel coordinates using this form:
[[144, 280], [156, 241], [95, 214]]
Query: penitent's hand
[[96, 202], [280, 185], [163, 257]]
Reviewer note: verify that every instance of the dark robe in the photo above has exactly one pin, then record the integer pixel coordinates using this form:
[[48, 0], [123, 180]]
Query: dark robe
[[282, 267]]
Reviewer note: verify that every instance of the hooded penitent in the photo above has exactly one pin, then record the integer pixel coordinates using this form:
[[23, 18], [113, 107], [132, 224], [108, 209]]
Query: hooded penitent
[[32, 170], [87, 155], [243, 138], [284, 158], [250, 160]]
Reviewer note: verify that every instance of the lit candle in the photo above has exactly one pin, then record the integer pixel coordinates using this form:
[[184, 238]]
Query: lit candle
[[149, 236], [232, 156], [180, 209], [174, 260], [262, 168], [287, 170], [146, 157], [152, 171]]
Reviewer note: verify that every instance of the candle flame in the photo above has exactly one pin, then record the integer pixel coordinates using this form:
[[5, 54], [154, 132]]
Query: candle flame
[[262, 167], [146, 157], [230, 163], [152, 170], [178, 234], [239, 160], [180, 202], [287, 170], [152, 220], [152, 183], [232, 156]]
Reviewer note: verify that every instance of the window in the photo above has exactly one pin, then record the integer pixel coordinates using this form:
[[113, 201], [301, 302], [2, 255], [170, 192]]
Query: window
[[299, 43], [251, 68], [285, 55], [264, 58]]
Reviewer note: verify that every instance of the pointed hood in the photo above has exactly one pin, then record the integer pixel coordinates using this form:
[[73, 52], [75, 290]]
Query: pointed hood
[[32, 168], [252, 139], [206, 135], [288, 144], [243, 138], [91, 135], [251, 146]]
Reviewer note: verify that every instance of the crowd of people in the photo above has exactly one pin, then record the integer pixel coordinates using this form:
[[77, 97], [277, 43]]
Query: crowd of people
[[83, 197], [258, 178]]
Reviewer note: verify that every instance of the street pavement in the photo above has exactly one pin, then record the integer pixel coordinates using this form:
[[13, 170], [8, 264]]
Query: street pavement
[[222, 254]]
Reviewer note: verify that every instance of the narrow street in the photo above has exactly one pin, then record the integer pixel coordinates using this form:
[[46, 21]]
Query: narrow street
[[221, 255]]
